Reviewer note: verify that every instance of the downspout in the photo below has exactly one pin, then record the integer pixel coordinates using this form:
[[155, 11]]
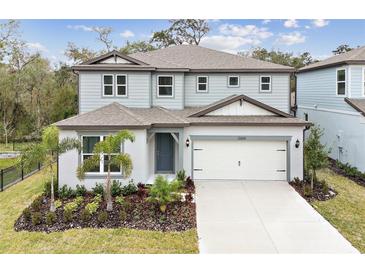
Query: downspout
[[150, 99], [295, 94], [78, 91], [304, 130]]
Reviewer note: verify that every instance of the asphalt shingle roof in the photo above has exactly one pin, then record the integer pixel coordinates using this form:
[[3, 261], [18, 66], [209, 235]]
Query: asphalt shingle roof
[[357, 103], [351, 57]]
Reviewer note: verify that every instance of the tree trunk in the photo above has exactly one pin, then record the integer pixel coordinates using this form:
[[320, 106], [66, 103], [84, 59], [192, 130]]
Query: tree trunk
[[312, 181], [52, 208], [109, 203]]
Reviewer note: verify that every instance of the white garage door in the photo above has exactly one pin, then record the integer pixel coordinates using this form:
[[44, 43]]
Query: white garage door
[[240, 160]]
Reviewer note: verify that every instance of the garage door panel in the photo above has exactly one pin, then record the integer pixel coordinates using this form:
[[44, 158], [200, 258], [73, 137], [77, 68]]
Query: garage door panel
[[240, 159]]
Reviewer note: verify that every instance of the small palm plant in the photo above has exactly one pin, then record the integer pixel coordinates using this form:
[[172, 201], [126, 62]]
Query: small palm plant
[[164, 192], [109, 147], [46, 152]]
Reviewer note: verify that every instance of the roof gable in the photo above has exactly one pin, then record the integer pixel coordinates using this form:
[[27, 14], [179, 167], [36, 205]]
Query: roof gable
[[239, 105], [114, 57]]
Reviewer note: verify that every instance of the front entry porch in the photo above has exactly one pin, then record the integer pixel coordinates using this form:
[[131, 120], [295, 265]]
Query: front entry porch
[[165, 152]]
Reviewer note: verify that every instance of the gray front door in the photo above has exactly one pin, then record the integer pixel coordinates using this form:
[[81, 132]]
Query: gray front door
[[164, 153]]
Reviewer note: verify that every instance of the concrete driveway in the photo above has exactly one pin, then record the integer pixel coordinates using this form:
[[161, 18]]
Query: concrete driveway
[[261, 217]]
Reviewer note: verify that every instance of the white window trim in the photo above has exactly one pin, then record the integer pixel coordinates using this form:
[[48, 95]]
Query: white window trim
[[101, 164], [172, 87], [197, 84], [270, 84], [341, 95], [112, 85], [233, 86], [121, 85]]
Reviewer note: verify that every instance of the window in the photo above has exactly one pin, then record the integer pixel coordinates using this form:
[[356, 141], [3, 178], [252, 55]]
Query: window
[[88, 143], [121, 85], [341, 82], [233, 81], [265, 83], [202, 84], [165, 86], [305, 116], [108, 84]]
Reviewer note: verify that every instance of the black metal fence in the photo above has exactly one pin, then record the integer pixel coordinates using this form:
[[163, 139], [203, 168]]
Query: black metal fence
[[14, 174]]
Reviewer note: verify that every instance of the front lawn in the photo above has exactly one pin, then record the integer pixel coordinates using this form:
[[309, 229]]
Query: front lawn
[[16, 198], [346, 211]]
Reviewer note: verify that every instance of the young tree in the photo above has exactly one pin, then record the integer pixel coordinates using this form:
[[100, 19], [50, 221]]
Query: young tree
[[47, 152], [109, 148], [315, 153]]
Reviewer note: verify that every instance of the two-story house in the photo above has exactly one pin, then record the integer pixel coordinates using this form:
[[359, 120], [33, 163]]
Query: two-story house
[[331, 94], [213, 114]]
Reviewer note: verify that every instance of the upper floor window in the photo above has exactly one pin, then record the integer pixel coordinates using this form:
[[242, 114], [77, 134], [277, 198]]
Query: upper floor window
[[265, 83], [233, 81], [121, 85], [202, 84], [341, 82], [165, 86], [108, 84]]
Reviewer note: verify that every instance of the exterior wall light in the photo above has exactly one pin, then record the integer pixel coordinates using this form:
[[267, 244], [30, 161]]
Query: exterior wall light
[[187, 142], [297, 143]]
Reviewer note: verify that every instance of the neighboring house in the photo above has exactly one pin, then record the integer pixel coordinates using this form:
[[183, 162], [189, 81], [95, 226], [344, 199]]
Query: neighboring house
[[213, 114], [331, 94]]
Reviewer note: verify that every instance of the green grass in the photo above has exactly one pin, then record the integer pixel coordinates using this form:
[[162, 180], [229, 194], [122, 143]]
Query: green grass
[[346, 211], [4, 163], [17, 146], [17, 197]]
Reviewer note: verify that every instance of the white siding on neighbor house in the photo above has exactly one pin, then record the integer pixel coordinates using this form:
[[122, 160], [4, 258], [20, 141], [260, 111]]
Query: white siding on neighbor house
[[357, 81], [249, 85], [175, 102], [238, 108], [341, 130], [296, 133], [91, 93], [69, 161], [318, 89]]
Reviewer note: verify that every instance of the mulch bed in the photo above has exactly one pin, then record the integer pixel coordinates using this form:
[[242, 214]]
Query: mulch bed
[[140, 214], [318, 193], [332, 165]]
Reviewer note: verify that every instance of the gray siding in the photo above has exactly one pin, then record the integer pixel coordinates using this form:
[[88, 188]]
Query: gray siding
[[177, 101], [249, 85], [90, 89], [356, 81], [318, 88]]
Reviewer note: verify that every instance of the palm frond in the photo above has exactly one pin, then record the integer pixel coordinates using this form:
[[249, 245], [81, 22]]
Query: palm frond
[[87, 165], [123, 160], [32, 155], [67, 144]]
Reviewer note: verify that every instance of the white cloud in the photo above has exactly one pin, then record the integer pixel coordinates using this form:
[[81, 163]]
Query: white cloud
[[80, 27], [36, 46], [266, 21], [229, 44], [251, 31], [320, 23], [127, 34], [291, 23], [307, 27], [291, 38]]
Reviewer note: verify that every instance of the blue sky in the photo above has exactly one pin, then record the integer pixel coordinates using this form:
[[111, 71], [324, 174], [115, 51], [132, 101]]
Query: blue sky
[[319, 37]]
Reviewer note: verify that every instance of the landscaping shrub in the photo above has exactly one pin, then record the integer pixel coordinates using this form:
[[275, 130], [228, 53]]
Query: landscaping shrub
[[181, 175], [85, 215], [120, 200], [98, 189], [307, 190], [324, 186], [27, 214], [80, 190], [350, 170], [164, 192], [129, 189], [37, 203], [116, 188], [142, 191], [36, 218], [92, 207], [102, 217], [189, 182], [50, 218], [69, 209], [79, 200], [98, 198], [66, 192], [67, 215], [47, 188], [57, 204], [122, 215]]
